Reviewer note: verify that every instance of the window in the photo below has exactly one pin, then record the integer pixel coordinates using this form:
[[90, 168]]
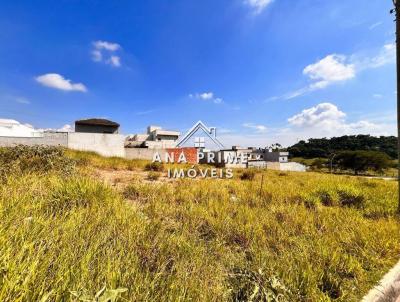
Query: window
[[199, 142]]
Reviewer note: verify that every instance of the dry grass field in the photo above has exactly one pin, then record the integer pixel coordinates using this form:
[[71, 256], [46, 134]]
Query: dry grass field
[[75, 226]]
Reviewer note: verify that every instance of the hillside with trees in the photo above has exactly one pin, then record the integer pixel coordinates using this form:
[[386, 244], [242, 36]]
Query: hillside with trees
[[325, 147]]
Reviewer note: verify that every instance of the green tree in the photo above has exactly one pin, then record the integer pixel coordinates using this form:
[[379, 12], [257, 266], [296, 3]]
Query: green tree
[[361, 161]]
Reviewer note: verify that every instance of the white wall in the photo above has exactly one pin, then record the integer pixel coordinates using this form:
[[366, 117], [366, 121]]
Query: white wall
[[47, 139], [104, 144], [293, 166]]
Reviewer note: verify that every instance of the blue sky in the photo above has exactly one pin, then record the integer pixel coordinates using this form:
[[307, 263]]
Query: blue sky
[[261, 71]]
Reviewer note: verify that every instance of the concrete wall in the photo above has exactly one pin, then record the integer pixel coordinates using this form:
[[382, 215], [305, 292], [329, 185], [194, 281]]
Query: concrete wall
[[104, 144], [48, 139], [144, 153], [292, 166], [257, 164]]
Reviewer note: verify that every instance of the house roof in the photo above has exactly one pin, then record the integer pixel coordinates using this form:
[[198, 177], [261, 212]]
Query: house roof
[[207, 131], [96, 122]]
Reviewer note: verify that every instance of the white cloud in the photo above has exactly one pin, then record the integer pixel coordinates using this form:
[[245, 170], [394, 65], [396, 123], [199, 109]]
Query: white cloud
[[97, 56], [332, 68], [66, 128], [377, 96], [375, 25], [9, 127], [386, 55], [258, 5], [257, 128], [206, 96], [104, 51], [321, 120], [336, 68], [324, 113], [22, 100], [57, 81], [114, 61], [326, 119], [106, 45]]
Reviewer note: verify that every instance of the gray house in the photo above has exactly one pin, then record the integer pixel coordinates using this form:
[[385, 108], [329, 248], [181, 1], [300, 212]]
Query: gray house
[[96, 125]]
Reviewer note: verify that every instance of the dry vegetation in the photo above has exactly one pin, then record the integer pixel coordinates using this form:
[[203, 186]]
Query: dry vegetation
[[67, 235]]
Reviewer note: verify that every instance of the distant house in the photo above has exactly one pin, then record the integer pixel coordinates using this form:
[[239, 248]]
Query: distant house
[[155, 138], [96, 125]]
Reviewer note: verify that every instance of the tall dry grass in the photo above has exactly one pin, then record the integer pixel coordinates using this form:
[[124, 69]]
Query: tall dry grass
[[294, 237]]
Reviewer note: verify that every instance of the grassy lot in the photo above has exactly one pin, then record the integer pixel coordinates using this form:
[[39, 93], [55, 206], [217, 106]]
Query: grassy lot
[[66, 235]]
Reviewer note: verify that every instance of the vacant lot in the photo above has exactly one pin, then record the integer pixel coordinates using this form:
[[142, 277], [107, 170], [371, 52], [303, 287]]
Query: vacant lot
[[72, 224]]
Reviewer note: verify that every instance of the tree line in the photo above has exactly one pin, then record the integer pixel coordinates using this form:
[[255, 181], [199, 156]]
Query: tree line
[[325, 147], [358, 153]]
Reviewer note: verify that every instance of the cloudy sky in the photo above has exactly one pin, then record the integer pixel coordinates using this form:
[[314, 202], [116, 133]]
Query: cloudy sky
[[262, 71]]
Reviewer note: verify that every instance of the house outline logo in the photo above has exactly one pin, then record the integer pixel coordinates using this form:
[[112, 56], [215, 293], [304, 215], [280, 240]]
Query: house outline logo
[[211, 132]]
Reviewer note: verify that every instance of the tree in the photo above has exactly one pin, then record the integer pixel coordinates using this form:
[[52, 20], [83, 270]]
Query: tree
[[324, 147], [361, 161]]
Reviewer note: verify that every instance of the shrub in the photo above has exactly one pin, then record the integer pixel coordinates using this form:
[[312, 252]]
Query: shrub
[[153, 175], [157, 167], [351, 198], [318, 163], [248, 175], [40, 159], [250, 285], [326, 198]]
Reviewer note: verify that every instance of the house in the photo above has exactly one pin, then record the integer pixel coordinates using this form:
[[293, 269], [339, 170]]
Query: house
[[155, 138], [96, 125]]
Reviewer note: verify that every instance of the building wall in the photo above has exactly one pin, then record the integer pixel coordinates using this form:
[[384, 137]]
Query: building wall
[[257, 164], [160, 144], [148, 154], [276, 156], [292, 166], [48, 139], [289, 166], [104, 144], [144, 153], [96, 129]]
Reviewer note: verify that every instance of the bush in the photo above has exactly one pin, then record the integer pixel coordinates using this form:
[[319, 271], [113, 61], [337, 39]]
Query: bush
[[157, 167], [350, 198], [247, 285], [326, 198], [319, 163], [153, 175], [40, 159], [248, 175]]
